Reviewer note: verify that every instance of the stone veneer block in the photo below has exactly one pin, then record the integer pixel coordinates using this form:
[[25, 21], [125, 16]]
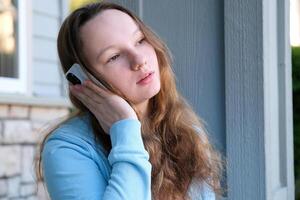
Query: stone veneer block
[[18, 111], [1, 132], [47, 114], [32, 198], [40, 129], [10, 157], [4, 111], [28, 189], [3, 187], [28, 173], [13, 187], [18, 131]]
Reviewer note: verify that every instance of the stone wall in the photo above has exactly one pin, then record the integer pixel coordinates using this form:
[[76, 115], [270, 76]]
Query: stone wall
[[21, 130]]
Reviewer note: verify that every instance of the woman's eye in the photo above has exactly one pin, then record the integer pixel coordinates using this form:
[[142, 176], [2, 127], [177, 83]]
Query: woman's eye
[[141, 40], [113, 58]]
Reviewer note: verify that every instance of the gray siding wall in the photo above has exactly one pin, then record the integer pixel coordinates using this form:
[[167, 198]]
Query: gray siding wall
[[46, 20], [193, 31]]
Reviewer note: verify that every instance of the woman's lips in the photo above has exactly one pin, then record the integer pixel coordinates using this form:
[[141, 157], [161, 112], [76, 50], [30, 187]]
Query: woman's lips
[[147, 79]]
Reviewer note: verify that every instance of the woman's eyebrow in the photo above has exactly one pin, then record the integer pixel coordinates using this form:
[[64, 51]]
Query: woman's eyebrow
[[138, 30], [103, 50]]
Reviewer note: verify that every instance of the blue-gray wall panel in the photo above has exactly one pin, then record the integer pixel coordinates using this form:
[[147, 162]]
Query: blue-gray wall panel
[[130, 4], [194, 32], [245, 99]]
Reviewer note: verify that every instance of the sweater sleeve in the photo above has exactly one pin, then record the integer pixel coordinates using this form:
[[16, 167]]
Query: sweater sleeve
[[208, 193], [201, 191], [70, 170]]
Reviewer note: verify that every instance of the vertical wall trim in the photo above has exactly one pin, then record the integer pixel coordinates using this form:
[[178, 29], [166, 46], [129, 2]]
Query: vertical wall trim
[[244, 99], [258, 100], [28, 47], [285, 98], [64, 9]]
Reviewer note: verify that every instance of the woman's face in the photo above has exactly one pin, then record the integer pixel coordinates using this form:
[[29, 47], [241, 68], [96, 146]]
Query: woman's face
[[115, 48]]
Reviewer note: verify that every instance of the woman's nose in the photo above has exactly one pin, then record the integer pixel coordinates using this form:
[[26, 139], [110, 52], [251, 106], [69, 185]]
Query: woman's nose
[[138, 61]]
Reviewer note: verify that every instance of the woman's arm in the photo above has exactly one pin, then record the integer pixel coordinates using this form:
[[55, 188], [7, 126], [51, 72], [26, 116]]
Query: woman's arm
[[71, 172], [208, 193], [201, 191]]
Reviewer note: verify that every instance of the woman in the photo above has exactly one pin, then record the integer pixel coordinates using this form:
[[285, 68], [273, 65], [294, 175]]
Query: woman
[[137, 139]]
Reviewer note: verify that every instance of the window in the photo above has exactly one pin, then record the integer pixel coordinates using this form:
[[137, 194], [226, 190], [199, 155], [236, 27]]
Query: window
[[14, 40]]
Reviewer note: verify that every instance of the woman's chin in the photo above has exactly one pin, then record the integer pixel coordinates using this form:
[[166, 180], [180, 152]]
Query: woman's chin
[[144, 99], [152, 94]]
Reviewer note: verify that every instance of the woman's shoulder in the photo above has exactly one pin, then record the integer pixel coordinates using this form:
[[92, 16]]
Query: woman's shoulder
[[73, 142], [76, 130], [78, 126]]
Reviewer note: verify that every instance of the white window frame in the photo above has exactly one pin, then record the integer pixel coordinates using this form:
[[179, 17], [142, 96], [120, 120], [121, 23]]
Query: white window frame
[[21, 84]]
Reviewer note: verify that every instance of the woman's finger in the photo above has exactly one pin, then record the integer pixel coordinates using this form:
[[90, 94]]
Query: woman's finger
[[97, 89], [92, 94], [77, 91]]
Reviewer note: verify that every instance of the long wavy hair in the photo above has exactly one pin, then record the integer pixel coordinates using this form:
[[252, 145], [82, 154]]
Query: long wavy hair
[[173, 135]]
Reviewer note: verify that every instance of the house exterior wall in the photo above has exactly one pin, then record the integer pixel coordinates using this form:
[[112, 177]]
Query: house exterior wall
[[46, 19], [25, 118], [21, 129]]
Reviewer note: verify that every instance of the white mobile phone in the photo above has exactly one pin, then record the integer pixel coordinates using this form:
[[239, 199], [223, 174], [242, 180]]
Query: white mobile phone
[[77, 75]]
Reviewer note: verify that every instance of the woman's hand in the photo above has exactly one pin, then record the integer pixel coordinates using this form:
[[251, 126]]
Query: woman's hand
[[107, 107]]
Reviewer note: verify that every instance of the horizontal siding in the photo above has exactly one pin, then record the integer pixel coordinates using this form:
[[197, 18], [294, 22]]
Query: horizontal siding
[[46, 74], [45, 26], [44, 49], [47, 90], [50, 8]]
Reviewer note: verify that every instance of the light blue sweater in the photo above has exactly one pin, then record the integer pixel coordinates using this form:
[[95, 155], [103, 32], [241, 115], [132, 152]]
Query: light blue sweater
[[76, 167]]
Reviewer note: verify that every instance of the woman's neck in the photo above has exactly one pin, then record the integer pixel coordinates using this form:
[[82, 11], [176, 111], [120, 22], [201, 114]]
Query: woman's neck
[[143, 109]]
